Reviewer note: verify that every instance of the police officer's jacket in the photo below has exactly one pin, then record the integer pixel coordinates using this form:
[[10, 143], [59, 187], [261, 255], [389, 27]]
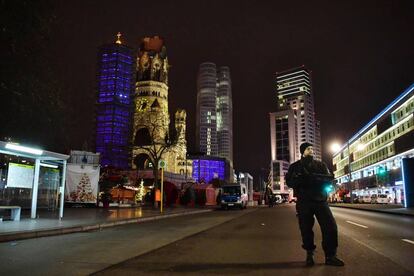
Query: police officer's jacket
[[309, 179]]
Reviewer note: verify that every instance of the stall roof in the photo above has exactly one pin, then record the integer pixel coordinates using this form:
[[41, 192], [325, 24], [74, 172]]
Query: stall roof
[[29, 152]]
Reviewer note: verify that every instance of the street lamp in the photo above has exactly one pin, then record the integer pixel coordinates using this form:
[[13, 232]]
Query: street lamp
[[335, 147]]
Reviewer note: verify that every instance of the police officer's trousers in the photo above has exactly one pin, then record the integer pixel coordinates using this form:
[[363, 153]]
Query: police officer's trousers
[[306, 211]]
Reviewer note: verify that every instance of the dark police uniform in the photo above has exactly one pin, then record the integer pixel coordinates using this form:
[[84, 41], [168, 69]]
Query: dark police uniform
[[309, 179]]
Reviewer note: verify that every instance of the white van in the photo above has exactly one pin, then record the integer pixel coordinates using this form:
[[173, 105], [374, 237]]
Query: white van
[[234, 195]]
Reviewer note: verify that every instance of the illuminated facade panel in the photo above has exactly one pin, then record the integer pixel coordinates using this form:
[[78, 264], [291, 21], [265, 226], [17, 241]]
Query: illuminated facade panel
[[208, 169]]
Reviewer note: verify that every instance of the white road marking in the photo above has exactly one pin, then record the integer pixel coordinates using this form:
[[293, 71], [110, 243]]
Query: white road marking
[[409, 241], [357, 224]]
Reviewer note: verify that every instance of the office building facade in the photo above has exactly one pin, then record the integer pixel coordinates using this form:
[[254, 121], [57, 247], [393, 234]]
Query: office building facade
[[370, 163], [283, 137], [247, 179]]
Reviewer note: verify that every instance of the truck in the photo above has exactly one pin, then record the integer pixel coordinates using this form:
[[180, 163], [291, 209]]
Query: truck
[[234, 195]]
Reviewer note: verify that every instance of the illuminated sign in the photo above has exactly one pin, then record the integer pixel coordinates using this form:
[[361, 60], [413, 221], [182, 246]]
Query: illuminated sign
[[20, 176]]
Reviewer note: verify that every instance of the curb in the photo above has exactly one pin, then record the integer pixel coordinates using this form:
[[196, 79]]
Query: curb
[[374, 210], [91, 227]]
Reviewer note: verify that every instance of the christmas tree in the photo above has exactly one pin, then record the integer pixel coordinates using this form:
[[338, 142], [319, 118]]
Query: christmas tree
[[83, 191], [140, 194]]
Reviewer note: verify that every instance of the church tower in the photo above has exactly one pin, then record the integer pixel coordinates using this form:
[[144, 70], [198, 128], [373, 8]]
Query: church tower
[[151, 115], [180, 150]]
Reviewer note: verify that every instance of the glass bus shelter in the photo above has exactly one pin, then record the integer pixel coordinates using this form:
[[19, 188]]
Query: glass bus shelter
[[32, 178]]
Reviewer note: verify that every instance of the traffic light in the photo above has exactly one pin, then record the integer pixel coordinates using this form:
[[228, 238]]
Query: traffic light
[[328, 188], [381, 171], [381, 176]]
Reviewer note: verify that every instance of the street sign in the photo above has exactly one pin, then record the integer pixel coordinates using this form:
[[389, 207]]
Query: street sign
[[162, 164]]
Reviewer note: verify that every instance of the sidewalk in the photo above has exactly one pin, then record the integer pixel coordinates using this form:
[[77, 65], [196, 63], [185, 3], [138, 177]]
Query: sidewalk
[[86, 219], [395, 209]]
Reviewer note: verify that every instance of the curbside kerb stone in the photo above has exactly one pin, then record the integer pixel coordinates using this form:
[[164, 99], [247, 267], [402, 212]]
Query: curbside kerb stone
[[85, 228]]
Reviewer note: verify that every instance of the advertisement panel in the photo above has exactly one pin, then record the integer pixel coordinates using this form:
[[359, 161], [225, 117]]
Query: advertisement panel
[[81, 183], [20, 176]]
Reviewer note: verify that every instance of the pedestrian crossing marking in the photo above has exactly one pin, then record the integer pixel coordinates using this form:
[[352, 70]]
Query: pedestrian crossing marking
[[409, 241], [357, 224]]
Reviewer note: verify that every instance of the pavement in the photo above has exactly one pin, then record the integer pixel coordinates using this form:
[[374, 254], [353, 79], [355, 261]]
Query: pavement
[[88, 219], [85, 219]]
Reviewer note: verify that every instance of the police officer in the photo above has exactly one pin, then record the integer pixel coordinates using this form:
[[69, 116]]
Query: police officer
[[309, 178]]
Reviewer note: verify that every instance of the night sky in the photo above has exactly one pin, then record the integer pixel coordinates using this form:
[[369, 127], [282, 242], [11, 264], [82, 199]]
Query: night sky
[[361, 55]]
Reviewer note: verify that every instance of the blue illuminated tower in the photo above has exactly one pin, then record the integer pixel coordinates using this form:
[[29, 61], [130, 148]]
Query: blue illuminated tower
[[116, 86]]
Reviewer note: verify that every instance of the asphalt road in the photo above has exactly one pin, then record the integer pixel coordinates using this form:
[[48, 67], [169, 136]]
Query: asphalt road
[[264, 241], [88, 252], [267, 242]]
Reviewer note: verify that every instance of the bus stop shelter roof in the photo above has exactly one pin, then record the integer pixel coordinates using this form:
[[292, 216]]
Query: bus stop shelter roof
[[29, 152]]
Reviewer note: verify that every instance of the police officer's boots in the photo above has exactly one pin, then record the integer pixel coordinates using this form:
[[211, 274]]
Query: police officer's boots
[[334, 261], [309, 258]]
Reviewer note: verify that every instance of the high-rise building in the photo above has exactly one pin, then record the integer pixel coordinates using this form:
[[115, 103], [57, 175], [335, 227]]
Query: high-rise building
[[293, 124], [224, 115], [294, 91], [214, 111], [115, 92], [206, 125]]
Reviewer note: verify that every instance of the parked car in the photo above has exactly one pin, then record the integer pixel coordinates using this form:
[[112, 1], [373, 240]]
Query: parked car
[[358, 199], [381, 199], [366, 199]]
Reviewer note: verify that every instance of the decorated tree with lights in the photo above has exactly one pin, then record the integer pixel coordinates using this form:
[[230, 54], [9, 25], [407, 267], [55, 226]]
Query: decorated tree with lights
[[83, 191], [140, 194]]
